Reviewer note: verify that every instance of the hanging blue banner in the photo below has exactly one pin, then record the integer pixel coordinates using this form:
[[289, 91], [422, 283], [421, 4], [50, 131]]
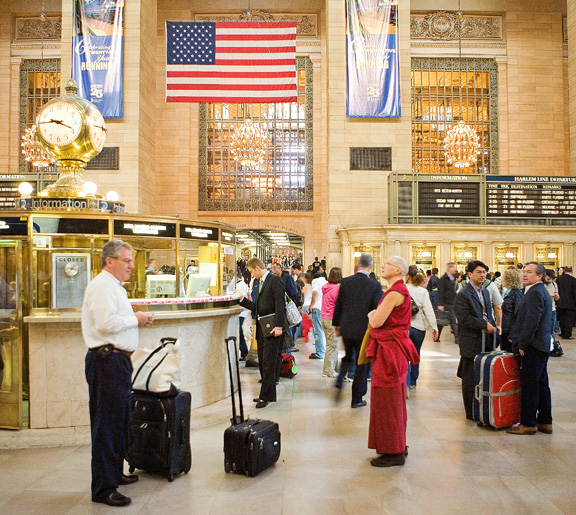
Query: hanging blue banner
[[373, 68], [97, 53]]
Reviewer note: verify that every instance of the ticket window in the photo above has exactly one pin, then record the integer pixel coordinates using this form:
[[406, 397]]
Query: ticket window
[[506, 257], [208, 259], [228, 268], [463, 254], [374, 252], [424, 257], [547, 255], [155, 273]]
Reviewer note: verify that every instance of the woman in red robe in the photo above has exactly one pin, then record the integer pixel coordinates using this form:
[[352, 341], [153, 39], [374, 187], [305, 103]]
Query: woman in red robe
[[390, 349]]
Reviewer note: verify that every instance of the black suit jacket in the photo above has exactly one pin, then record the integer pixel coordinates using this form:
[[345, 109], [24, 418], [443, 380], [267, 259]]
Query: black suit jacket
[[533, 323], [357, 296], [566, 291], [270, 299], [446, 291], [471, 323]]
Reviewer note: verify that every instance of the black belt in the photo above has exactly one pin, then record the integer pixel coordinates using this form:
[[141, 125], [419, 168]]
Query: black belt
[[113, 349]]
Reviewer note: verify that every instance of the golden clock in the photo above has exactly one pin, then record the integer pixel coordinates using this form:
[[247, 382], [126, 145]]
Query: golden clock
[[71, 127]]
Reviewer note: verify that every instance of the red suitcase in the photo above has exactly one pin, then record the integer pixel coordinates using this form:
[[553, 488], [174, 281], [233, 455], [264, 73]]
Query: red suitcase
[[497, 393], [289, 368]]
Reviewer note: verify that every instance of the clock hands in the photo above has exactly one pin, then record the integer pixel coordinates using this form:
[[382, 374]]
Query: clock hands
[[101, 127], [58, 122]]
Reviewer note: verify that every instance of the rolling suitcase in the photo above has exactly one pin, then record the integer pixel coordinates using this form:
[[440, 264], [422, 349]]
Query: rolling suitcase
[[159, 433], [497, 391], [250, 445]]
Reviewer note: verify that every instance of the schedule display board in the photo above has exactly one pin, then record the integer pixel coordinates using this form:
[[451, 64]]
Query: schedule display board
[[549, 197], [448, 199]]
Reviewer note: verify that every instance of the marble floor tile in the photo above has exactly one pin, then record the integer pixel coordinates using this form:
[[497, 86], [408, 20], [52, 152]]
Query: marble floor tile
[[453, 465]]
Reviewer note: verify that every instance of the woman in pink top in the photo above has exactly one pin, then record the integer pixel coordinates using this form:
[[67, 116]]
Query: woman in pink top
[[329, 295]]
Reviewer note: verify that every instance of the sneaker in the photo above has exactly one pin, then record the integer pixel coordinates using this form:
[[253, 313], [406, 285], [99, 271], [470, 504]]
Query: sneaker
[[349, 379], [330, 375]]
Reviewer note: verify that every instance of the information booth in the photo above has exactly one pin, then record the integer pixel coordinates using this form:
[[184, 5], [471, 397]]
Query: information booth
[[46, 260]]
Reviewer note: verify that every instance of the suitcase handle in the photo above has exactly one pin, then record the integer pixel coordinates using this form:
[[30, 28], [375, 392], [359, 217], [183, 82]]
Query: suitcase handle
[[236, 419]]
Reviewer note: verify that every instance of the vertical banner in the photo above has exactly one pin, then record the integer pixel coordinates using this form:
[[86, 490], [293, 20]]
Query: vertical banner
[[97, 53], [373, 69]]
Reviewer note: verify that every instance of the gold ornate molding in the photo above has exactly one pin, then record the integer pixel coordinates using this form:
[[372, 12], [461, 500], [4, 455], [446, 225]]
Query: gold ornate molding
[[442, 25], [35, 29], [307, 23]]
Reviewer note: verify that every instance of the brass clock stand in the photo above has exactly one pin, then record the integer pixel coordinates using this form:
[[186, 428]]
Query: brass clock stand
[[73, 130]]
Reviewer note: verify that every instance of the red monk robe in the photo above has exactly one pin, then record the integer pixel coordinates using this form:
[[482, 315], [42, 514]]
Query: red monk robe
[[390, 349]]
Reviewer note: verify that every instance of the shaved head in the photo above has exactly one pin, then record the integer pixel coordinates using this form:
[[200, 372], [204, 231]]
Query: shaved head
[[400, 263]]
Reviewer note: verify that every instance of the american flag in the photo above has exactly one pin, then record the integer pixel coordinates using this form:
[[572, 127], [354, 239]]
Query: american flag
[[233, 62]]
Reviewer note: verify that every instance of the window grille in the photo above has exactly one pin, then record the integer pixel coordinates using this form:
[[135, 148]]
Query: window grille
[[283, 181]]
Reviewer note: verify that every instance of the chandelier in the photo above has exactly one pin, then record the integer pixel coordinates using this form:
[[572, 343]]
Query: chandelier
[[33, 152], [31, 149], [248, 144], [462, 144]]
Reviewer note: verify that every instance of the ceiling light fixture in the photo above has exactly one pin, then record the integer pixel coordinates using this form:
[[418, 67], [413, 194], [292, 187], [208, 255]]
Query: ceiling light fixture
[[461, 144]]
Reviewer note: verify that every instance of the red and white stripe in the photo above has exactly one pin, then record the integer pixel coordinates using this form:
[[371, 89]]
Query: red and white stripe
[[255, 62]]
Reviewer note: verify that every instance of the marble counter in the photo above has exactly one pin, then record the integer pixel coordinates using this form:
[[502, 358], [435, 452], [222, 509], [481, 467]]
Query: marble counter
[[58, 388]]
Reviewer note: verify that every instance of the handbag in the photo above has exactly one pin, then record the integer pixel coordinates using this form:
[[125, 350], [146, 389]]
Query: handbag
[[292, 314], [415, 308], [362, 358], [157, 370]]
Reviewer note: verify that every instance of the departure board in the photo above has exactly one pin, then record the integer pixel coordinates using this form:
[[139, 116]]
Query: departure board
[[549, 197], [449, 199]]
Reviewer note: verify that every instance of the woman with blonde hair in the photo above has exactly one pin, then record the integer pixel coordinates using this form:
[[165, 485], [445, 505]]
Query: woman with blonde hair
[[425, 317], [390, 349], [512, 285]]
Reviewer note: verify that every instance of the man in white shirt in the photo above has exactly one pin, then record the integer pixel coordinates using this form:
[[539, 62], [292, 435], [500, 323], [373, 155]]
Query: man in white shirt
[[110, 331]]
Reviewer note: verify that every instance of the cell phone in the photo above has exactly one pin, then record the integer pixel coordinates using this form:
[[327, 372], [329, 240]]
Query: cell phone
[[105, 351]]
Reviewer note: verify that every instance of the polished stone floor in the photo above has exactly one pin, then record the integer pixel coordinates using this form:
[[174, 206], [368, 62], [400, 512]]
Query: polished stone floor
[[454, 467]]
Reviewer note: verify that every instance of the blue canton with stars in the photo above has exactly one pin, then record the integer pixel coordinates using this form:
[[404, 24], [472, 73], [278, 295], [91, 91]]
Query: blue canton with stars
[[191, 43]]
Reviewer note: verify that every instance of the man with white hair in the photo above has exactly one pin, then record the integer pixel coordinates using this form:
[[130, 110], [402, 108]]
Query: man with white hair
[[358, 295]]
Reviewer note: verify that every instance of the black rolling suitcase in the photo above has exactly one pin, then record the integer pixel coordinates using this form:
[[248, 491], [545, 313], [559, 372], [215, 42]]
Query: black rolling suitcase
[[251, 445], [159, 433]]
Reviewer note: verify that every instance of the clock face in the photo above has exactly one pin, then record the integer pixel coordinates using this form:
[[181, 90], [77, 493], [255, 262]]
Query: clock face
[[59, 123], [97, 129]]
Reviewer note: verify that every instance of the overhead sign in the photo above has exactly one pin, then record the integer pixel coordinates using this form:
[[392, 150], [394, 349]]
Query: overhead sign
[[197, 232], [141, 228]]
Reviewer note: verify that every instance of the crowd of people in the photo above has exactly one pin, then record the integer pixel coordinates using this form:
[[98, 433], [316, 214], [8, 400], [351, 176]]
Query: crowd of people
[[382, 332]]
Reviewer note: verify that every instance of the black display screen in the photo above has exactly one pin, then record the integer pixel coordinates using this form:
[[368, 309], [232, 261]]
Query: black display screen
[[505, 197], [448, 199], [143, 228]]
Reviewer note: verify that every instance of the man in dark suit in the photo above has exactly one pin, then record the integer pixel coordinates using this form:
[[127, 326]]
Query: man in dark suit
[[566, 302], [269, 301], [446, 296], [530, 336], [358, 295], [473, 309]]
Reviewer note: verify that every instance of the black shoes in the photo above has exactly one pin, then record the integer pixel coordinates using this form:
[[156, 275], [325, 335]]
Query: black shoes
[[314, 356], [360, 404], [261, 404], [389, 460], [114, 499], [128, 480]]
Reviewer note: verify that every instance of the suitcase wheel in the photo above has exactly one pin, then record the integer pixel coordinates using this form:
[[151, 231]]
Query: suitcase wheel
[[227, 468], [479, 424], [170, 477]]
